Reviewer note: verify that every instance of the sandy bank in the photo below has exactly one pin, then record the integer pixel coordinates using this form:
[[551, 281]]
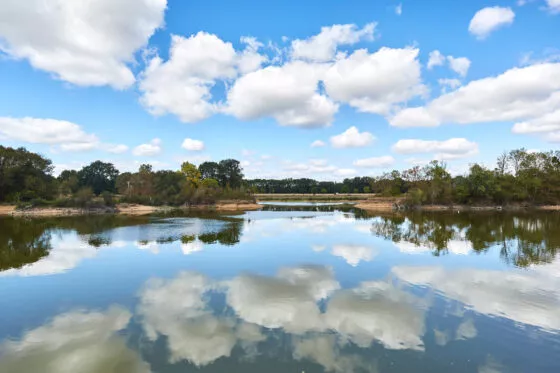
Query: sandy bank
[[123, 209]]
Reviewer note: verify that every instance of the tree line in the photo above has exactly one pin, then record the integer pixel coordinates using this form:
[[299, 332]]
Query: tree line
[[27, 178], [519, 176]]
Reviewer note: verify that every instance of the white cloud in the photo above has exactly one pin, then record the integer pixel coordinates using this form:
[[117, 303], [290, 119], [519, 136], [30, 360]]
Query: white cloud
[[489, 19], [288, 93], [66, 135], [77, 341], [181, 85], [553, 6], [375, 162], [84, 43], [436, 59], [193, 145], [445, 150], [250, 59], [354, 254], [398, 9], [323, 47], [352, 138], [549, 122], [376, 82], [345, 172], [318, 144], [517, 94], [449, 83], [460, 65], [149, 150]]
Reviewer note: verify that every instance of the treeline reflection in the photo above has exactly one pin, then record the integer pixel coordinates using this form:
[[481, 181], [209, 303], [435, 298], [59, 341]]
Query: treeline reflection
[[26, 241], [523, 239]]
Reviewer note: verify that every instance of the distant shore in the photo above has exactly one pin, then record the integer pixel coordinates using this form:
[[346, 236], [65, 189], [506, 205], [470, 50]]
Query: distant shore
[[123, 209]]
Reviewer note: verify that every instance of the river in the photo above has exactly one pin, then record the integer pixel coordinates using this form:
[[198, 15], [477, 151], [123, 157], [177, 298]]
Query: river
[[313, 288]]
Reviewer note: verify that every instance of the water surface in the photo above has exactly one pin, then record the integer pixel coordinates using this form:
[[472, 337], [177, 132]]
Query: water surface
[[286, 289]]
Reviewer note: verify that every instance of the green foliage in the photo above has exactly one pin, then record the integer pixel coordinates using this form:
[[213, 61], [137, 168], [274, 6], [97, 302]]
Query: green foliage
[[84, 197], [25, 176], [191, 172], [98, 176]]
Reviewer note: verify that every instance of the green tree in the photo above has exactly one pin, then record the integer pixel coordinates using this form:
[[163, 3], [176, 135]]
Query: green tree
[[99, 176], [191, 172], [209, 170], [230, 173]]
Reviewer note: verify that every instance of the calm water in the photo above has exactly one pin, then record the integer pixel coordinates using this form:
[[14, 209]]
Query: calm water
[[287, 289]]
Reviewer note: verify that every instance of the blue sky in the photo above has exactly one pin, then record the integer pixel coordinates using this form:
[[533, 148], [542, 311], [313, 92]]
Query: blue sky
[[380, 84]]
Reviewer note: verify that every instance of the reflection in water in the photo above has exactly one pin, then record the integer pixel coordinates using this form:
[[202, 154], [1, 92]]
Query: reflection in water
[[530, 298], [78, 341], [523, 239], [47, 247], [305, 303], [356, 305]]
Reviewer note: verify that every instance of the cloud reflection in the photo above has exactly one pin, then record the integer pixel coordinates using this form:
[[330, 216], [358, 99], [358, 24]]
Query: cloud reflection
[[78, 341]]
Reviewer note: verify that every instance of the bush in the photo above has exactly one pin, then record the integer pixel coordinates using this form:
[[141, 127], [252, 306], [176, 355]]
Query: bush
[[107, 199], [84, 197]]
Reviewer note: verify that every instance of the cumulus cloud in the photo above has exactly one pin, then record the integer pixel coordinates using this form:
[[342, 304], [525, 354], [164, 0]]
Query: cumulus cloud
[[323, 47], [87, 44], [452, 84], [517, 94], [515, 295], [489, 19], [398, 9], [376, 82], [460, 65], [181, 85], [148, 150], [549, 122], [250, 59], [436, 59], [352, 138], [553, 6], [318, 144], [445, 150], [288, 93], [77, 341], [375, 162], [67, 136], [193, 145]]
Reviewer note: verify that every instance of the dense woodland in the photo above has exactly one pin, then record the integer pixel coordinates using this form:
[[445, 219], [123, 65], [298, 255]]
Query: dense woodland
[[519, 177], [27, 178]]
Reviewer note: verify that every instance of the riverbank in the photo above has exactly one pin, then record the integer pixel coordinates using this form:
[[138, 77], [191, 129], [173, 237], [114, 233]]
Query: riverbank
[[394, 205], [124, 209], [292, 197]]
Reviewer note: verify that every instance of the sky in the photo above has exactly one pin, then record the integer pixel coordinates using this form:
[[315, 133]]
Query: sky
[[324, 89]]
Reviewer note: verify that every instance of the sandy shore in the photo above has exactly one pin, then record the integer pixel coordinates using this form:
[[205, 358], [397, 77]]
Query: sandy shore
[[7, 210], [122, 209]]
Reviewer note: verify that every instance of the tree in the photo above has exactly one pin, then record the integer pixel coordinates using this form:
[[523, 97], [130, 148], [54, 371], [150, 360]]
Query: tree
[[25, 175], [191, 172], [68, 182], [209, 170], [230, 173], [99, 176]]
